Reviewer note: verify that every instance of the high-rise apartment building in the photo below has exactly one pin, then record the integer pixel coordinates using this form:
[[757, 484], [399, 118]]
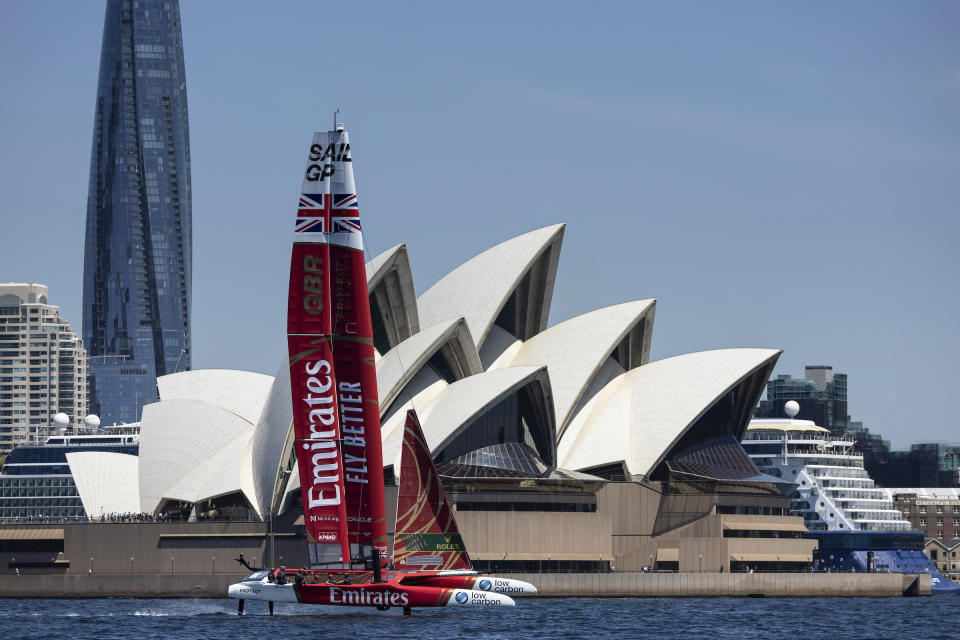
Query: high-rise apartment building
[[43, 368], [137, 259], [821, 394]]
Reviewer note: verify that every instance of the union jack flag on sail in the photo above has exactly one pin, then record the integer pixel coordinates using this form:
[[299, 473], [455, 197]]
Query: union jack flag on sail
[[345, 202], [313, 213], [323, 213], [346, 213]]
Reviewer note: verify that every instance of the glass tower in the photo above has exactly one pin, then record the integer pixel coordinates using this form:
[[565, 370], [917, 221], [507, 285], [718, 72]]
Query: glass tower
[[137, 257], [821, 394]]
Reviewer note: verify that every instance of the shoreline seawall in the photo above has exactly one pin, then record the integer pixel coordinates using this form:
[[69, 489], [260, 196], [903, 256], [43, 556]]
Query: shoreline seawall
[[583, 585]]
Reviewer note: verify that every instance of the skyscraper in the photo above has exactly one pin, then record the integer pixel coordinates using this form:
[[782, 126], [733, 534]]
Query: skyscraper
[[137, 258]]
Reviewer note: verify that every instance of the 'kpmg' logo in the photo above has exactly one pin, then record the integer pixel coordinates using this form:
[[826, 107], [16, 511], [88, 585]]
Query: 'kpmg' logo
[[462, 597], [484, 585]]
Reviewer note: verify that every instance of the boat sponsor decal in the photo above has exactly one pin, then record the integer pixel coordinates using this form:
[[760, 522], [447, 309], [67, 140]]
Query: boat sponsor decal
[[432, 542], [322, 161], [317, 436], [506, 586], [484, 585], [479, 598], [368, 597]]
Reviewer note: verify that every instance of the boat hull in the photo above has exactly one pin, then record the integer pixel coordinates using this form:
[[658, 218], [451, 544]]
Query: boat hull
[[381, 596], [475, 583]]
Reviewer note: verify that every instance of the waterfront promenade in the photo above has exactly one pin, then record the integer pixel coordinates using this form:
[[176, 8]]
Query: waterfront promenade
[[611, 585]]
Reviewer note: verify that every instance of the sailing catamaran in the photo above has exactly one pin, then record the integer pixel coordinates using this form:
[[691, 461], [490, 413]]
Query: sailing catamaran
[[336, 425]]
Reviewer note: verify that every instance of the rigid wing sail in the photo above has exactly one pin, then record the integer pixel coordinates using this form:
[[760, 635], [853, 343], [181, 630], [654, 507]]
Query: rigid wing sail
[[336, 424]]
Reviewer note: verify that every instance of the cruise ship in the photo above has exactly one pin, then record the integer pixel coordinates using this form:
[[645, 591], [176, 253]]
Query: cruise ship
[[831, 489], [36, 483], [856, 523]]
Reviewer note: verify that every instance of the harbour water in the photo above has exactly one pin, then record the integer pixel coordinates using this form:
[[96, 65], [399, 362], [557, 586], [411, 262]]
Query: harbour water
[[532, 619]]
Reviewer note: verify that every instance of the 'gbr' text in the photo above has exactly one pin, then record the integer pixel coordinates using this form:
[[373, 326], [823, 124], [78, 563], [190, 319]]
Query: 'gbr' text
[[312, 284]]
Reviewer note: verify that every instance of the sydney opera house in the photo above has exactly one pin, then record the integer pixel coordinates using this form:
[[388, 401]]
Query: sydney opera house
[[562, 447]]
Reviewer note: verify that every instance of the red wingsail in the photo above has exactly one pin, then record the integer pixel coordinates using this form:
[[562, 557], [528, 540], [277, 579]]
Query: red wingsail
[[427, 535], [333, 380]]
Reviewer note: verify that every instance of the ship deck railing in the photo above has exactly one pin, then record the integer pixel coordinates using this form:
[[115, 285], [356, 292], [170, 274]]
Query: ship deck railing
[[817, 438]]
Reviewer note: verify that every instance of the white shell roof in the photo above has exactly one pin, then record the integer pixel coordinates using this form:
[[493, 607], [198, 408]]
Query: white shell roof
[[574, 350], [499, 348], [444, 414], [428, 387], [106, 482], [465, 400], [390, 283], [240, 392], [191, 450], [639, 415], [269, 446], [478, 289], [396, 367], [379, 265]]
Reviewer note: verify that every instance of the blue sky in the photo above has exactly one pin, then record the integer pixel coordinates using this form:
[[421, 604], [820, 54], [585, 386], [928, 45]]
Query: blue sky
[[776, 174]]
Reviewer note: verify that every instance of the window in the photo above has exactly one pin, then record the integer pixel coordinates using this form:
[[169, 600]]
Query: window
[[939, 522], [939, 508], [923, 523], [923, 509]]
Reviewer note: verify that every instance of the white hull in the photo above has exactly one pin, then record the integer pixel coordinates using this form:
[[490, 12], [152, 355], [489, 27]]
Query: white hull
[[272, 592], [503, 585], [262, 590], [496, 585]]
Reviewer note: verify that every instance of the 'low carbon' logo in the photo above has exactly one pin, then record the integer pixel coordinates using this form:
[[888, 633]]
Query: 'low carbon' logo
[[484, 585], [462, 597]]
